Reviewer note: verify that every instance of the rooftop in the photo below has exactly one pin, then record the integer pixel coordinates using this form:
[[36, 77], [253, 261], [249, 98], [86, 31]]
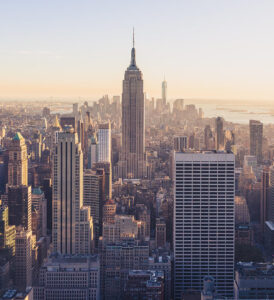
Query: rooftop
[[37, 191], [255, 270]]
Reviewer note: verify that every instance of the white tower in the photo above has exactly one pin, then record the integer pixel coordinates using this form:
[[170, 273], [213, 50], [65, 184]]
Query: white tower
[[104, 142]]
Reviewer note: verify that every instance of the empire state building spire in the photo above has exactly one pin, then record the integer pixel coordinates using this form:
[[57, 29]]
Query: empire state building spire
[[133, 65]]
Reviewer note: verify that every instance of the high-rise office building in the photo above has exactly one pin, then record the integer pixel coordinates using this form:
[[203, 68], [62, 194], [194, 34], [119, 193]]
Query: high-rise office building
[[91, 198], [39, 205], [47, 189], [270, 205], [4, 162], [109, 212], [269, 224], [209, 139], [203, 221], [23, 258], [71, 223], [108, 177], [264, 200], [164, 92], [19, 203], [219, 133], [133, 163], [75, 109], [7, 232], [242, 215], [104, 142], [256, 139], [160, 233], [18, 161], [92, 151], [180, 143], [117, 260]]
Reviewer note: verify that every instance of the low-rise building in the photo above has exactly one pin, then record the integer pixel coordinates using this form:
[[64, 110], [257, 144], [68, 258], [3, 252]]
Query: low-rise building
[[144, 284], [69, 277], [254, 281]]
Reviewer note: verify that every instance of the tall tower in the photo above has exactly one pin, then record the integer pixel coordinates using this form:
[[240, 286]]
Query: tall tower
[[208, 137], [92, 199], [23, 259], [133, 122], [71, 223], [104, 142], [203, 229], [164, 92], [219, 134], [93, 151], [256, 139], [19, 193], [18, 161]]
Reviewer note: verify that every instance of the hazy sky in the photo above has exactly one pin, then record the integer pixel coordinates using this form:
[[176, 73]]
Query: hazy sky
[[206, 49]]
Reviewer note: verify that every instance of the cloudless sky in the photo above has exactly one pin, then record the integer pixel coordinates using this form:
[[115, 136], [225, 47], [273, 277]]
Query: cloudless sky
[[206, 48]]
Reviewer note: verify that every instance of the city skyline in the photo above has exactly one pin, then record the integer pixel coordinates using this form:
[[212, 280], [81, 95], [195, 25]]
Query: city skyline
[[141, 191], [202, 53]]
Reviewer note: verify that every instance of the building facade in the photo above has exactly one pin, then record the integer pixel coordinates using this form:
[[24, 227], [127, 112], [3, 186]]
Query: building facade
[[23, 259], [72, 229], [19, 203], [91, 198], [256, 139], [69, 277], [219, 134], [18, 161], [104, 142], [203, 221]]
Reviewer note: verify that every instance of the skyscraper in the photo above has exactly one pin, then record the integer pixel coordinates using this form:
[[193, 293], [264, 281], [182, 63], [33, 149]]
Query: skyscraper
[[92, 151], [208, 138], [7, 232], [104, 142], [23, 258], [203, 221], [19, 196], [92, 199], [219, 133], [71, 222], [18, 161], [106, 166], [19, 203], [164, 92], [180, 143], [270, 205], [256, 139], [133, 164], [264, 201], [269, 224]]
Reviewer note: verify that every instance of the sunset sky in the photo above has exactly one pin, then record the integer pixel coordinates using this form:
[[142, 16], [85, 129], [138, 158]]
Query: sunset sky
[[206, 49]]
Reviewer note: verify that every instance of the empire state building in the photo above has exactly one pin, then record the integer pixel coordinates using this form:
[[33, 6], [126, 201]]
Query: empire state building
[[133, 162]]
